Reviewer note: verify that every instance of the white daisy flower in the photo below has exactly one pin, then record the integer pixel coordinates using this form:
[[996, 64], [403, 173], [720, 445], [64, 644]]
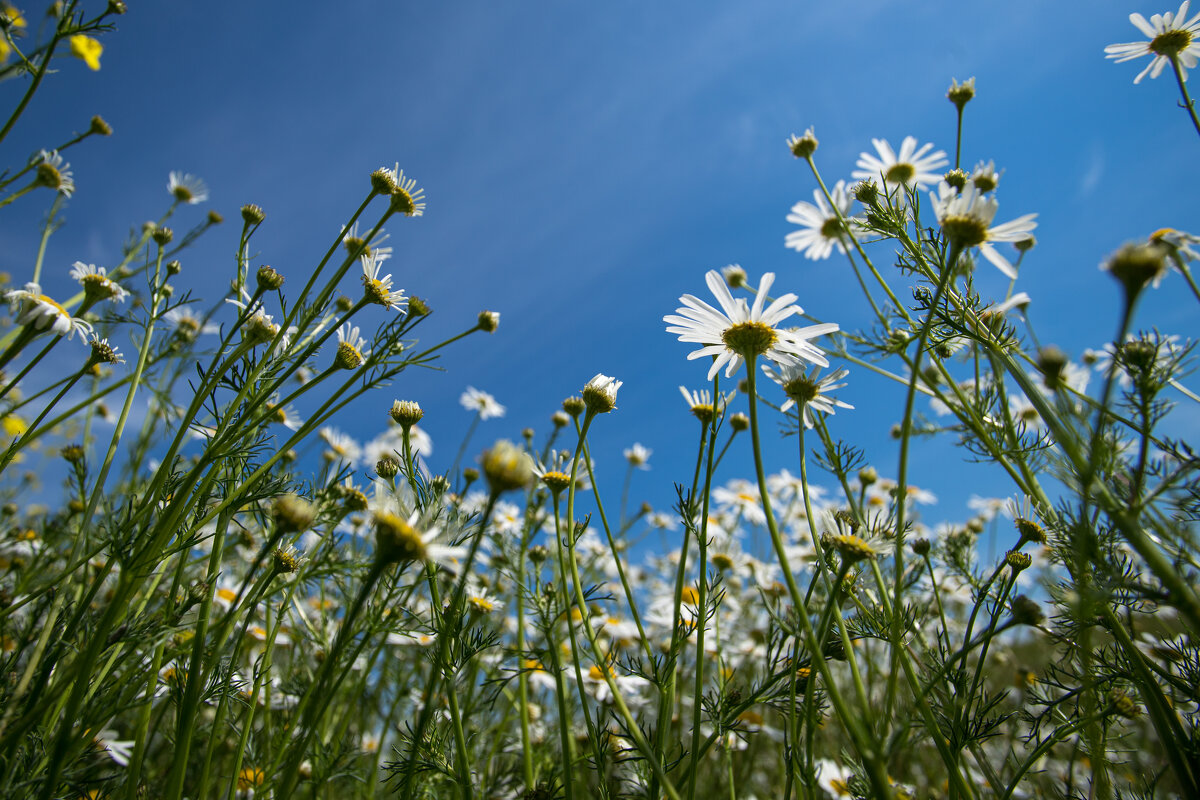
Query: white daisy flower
[[96, 283], [351, 349], [341, 446], [738, 330], [407, 197], [187, 325], [701, 403], [966, 218], [258, 326], [379, 290], [820, 230], [912, 167], [411, 539], [54, 172], [352, 241], [1170, 39], [802, 387], [482, 403], [41, 312], [638, 455], [600, 393], [187, 188]]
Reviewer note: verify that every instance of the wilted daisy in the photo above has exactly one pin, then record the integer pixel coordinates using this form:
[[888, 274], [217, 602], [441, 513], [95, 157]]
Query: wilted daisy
[[1171, 39], [482, 403], [803, 388], [965, 218], [820, 229], [738, 331], [96, 283], [379, 290], [40, 312], [187, 188], [54, 172], [912, 167]]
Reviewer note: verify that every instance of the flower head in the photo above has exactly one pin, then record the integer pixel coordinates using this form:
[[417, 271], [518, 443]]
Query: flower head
[[912, 167], [600, 394], [376, 289], [187, 188], [482, 403], [42, 311], [740, 331], [1171, 39], [355, 244], [399, 538], [96, 283], [820, 229], [805, 390], [407, 197], [966, 218], [350, 347], [638, 455], [54, 172], [701, 403]]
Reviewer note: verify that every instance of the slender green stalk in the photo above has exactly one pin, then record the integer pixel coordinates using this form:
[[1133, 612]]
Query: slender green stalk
[[1187, 101]]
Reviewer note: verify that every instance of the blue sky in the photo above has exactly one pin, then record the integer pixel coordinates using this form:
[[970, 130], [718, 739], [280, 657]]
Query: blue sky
[[585, 164]]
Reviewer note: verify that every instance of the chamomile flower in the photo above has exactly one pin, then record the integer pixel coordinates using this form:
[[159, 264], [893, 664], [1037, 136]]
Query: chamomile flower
[[187, 188], [966, 219], [482, 403], [820, 229], [352, 241], [258, 326], [188, 326], [638, 455], [341, 446], [407, 197], [1171, 39], [739, 331], [379, 290], [54, 172], [41, 311], [398, 538], [803, 388], [912, 167], [351, 349], [701, 404], [96, 283]]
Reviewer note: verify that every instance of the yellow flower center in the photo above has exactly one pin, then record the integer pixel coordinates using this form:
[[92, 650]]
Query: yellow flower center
[[900, 173], [965, 231], [1171, 43], [749, 339]]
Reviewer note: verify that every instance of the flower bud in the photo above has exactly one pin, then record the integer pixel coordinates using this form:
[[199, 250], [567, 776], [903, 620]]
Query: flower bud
[[406, 413], [292, 514], [803, 146], [269, 280], [252, 214], [600, 394], [100, 127], [489, 321], [507, 467], [961, 93]]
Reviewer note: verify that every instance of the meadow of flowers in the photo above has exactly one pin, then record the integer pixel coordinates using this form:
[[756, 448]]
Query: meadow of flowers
[[229, 597]]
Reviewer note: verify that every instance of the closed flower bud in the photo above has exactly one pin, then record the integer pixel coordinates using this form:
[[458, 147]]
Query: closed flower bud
[[73, 454], [867, 476], [470, 474], [292, 514], [489, 321], [920, 547], [866, 192], [734, 275], [538, 553], [387, 468], [418, 307], [100, 127], [1026, 611], [574, 406], [1136, 265], [406, 413], [269, 280], [252, 214], [1052, 363], [162, 236], [214, 218], [739, 422], [174, 267], [1123, 704], [559, 419], [956, 178], [507, 467], [1017, 561]]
